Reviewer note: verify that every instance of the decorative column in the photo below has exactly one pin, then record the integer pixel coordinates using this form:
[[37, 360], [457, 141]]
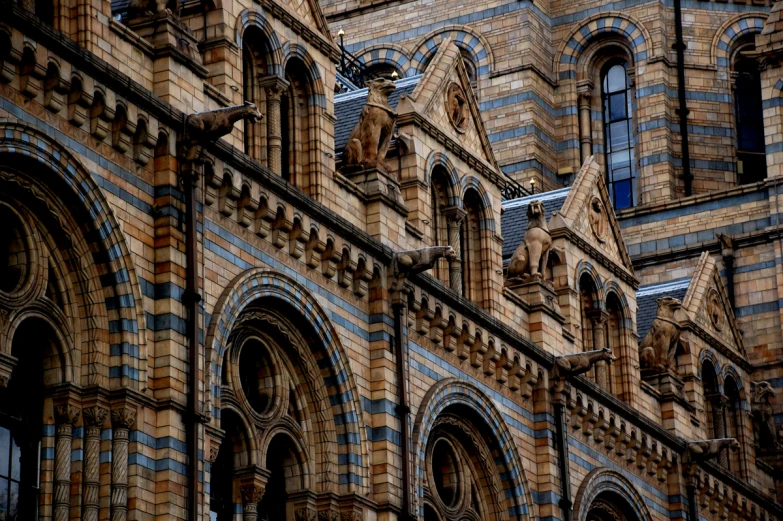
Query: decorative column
[[599, 342], [719, 424], [252, 484], [585, 92], [121, 420], [65, 416], [94, 418], [274, 87], [454, 217]]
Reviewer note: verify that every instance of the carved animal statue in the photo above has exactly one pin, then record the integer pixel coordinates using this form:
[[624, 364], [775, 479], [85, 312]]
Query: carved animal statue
[[211, 125], [702, 450], [146, 7], [411, 262], [370, 139], [530, 258], [659, 346], [764, 415], [567, 366]]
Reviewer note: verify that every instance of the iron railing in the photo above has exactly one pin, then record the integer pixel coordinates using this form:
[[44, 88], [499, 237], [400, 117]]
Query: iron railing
[[350, 67], [513, 190]]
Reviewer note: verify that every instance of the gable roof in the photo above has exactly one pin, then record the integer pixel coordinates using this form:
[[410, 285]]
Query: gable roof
[[574, 214], [513, 222], [647, 305], [348, 107]]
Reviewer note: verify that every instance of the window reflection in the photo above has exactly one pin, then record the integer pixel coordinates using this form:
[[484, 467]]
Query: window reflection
[[618, 121]]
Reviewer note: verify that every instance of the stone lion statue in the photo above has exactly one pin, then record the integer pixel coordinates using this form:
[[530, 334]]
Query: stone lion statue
[[530, 258], [370, 139], [579, 363], [659, 346], [411, 262]]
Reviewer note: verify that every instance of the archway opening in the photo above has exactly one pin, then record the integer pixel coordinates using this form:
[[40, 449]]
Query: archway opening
[[285, 477], [610, 506]]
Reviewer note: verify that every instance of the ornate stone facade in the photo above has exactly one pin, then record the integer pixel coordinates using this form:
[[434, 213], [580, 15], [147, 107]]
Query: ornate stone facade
[[207, 314]]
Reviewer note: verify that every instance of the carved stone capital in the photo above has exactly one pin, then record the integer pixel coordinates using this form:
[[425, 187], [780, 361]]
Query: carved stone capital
[[66, 414], [123, 418], [454, 214], [274, 86], [251, 493], [584, 89], [95, 416], [305, 514]]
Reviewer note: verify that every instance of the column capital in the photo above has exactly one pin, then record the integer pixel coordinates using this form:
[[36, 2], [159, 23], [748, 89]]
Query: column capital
[[454, 214], [95, 416], [252, 483], [66, 414], [598, 316], [123, 417], [584, 89], [274, 85]]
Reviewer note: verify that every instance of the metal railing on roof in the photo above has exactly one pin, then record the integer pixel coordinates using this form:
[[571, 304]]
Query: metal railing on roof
[[513, 190], [350, 67]]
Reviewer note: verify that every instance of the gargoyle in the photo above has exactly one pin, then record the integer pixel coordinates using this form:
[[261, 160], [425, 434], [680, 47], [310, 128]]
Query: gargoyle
[[703, 450], [370, 138], [657, 350], [567, 366], [211, 125], [411, 262], [530, 258]]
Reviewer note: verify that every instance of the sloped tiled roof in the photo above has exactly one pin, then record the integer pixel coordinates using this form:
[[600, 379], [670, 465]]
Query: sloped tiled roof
[[647, 296], [348, 107], [514, 220]]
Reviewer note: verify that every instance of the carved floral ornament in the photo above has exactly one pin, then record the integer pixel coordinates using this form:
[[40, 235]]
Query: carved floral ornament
[[599, 222], [714, 309], [457, 107]]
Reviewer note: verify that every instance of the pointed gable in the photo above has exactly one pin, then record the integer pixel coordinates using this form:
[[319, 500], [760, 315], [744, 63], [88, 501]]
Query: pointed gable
[[445, 99], [707, 303], [588, 211]]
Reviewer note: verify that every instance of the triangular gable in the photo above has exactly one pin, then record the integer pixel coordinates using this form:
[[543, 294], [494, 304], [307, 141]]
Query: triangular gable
[[307, 12], [587, 210], [432, 95], [707, 303]]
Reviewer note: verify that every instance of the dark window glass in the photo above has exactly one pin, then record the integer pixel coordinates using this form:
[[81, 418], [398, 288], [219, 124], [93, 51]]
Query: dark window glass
[[618, 131], [751, 160], [10, 475]]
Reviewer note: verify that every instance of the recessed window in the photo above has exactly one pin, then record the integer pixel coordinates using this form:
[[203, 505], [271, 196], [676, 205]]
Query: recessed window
[[751, 157], [617, 101]]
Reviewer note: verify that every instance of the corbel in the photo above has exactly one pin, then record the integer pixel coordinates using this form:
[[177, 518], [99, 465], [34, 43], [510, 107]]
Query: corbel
[[246, 207], [601, 426], [330, 259], [490, 357], [451, 333], [621, 441], [314, 249], [31, 72], [55, 89], [145, 140], [578, 413], [530, 382], [347, 268], [632, 448], [228, 195], [515, 374], [424, 318], [79, 102], [297, 239], [361, 278], [502, 366], [653, 461], [642, 453], [123, 127], [101, 113], [213, 184], [610, 440], [589, 420], [282, 225], [466, 340], [11, 57]]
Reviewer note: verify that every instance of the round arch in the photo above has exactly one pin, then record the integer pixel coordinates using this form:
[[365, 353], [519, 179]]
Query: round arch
[[585, 268], [612, 23], [315, 83], [708, 355], [603, 480], [453, 187], [387, 54], [611, 287], [464, 37], [732, 30], [253, 18], [471, 182], [452, 391], [259, 283], [103, 250]]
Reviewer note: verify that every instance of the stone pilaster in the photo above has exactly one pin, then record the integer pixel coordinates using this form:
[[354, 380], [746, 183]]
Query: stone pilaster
[[94, 418], [585, 92], [599, 342], [275, 87], [121, 419], [65, 416]]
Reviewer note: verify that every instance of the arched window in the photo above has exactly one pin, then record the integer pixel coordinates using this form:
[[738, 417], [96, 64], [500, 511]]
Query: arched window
[[296, 113], [617, 103], [586, 299], [254, 67], [733, 423], [440, 234], [609, 506], [472, 262], [751, 157], [614, 341]]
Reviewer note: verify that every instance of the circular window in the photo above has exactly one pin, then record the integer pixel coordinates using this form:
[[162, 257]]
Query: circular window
[[14, 251], [257, 375], [445, 472]]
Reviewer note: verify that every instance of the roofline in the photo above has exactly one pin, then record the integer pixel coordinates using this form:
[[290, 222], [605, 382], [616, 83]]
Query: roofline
[[663, 287], [347, 96], [545, 196]]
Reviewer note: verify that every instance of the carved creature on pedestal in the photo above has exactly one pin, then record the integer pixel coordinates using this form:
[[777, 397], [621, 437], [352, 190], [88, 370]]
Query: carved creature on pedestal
[[764, 416], [204, 127], [411, 262], [659, 347], [370, 139], [530, 258], [567, 366]]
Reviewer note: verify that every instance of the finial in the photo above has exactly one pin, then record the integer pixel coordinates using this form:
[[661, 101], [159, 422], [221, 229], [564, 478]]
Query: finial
[[394, 75], [341, 32]]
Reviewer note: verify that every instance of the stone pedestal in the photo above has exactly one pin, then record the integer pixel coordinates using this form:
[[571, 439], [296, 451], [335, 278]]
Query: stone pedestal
[[535, 292], [667, 384], [545, 320], [376, 184]]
